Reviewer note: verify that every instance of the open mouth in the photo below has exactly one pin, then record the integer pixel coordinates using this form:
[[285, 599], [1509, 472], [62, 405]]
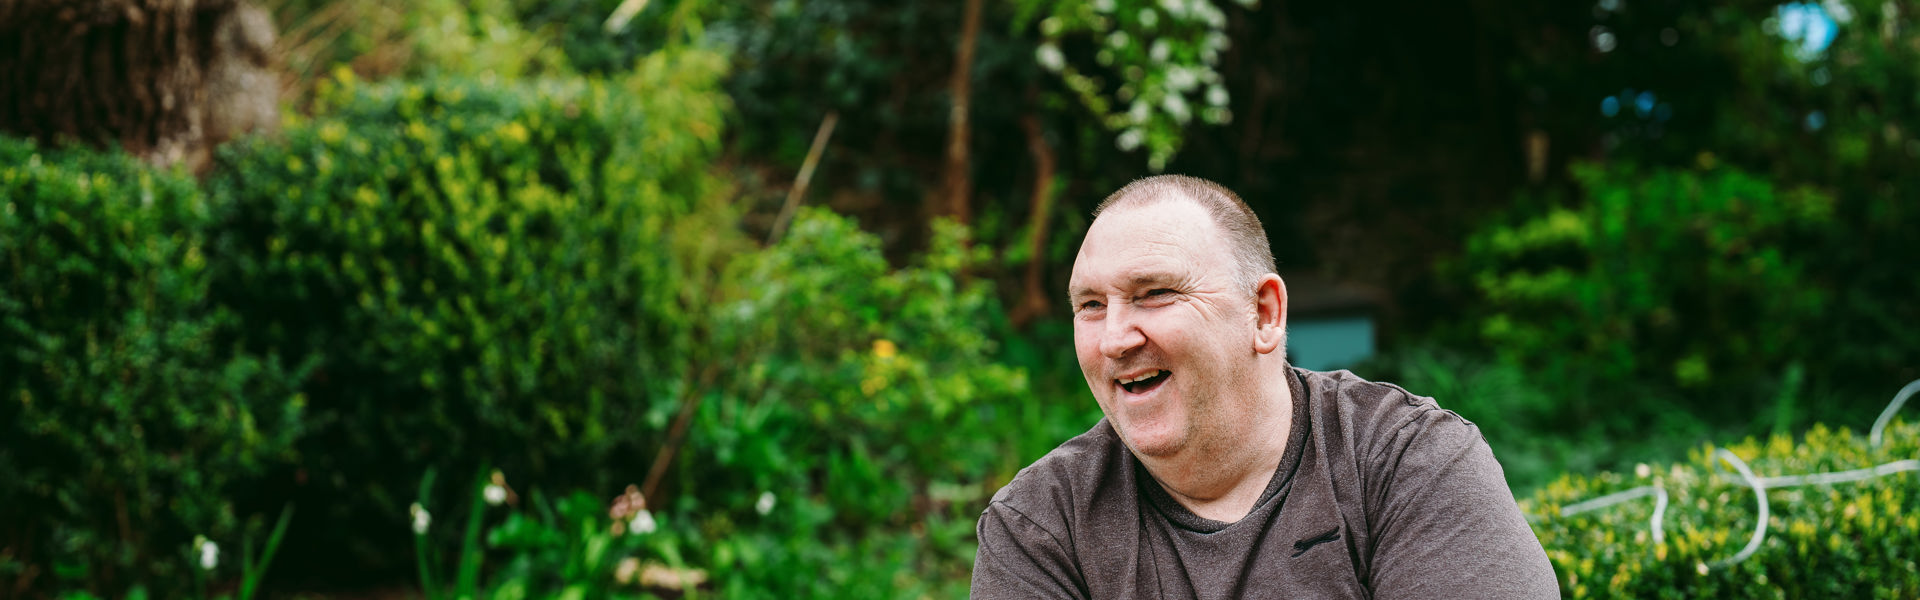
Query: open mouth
[[1145, 382]]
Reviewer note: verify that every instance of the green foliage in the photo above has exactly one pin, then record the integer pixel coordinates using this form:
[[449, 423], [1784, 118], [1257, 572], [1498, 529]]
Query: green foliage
[[580, 29], [1162, 52], [882, 65], [484, 273], [536, 276], [1703, 84], [479, 37], [841, 449], [483, 38], [1691, 278], [867, 399], [1541, 428], [130, 416], [891, 359], [576, 547], [1837, 540]]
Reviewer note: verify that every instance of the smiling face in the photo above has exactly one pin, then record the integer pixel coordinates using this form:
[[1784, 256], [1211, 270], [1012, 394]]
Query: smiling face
[[1164, 331]]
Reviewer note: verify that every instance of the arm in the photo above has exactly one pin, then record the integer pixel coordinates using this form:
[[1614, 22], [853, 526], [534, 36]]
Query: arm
[[1020, 559], [1445, 524]]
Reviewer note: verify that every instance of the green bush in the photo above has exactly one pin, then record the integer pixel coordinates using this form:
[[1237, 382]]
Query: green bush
[[446, 274], [865, 356], [1833, 540], [848, 429], [131, 416], [868, 399], [485, 274], [1689, 279]]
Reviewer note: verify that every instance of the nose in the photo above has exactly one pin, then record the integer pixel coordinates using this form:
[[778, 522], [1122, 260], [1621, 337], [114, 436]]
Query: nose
[[1120, 335]]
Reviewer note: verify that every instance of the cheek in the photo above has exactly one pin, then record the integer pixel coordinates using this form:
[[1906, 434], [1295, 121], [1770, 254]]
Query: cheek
[[1086, 342]]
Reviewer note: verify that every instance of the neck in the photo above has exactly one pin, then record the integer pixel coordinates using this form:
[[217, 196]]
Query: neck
[[1222, 476]]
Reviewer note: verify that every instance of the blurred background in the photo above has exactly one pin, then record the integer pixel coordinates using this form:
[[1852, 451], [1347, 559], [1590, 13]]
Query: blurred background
[[762, 298]]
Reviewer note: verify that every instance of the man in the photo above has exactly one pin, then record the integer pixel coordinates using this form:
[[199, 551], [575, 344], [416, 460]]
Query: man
[[1220, 471]]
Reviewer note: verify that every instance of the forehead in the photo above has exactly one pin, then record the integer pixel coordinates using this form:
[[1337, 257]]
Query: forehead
[[1172, 238]]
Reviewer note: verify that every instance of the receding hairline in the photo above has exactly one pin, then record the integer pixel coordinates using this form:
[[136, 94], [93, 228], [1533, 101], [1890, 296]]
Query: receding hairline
[[1245, 235]]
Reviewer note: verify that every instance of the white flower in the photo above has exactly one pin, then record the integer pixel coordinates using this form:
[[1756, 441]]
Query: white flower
[[1103, 6], [1211, 14], [1160, 51], [1118, 40], [1181, 79], [209, 552], [420, 518], [1700, 567], [1643, 470], [1216, 95], [1839, 11], [643, 522], [1177, 8], [1139, 112], [1177, 107], [765, 504], [1148, 18], [1218, 41], [494, 494], [1050, 57], [1129, 140]]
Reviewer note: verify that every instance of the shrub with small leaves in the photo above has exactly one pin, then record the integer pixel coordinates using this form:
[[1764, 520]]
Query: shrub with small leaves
[[1677, 277], [130, 413], [484, 273], [1853, 539]]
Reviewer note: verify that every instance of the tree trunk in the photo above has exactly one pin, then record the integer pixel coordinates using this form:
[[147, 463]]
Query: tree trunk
[[164, 79], [1034, 295], [958, 186]]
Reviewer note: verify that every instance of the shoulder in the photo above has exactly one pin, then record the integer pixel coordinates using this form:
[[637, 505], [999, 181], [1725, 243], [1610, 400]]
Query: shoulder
[[1037, 530], [1067, 478], [1377, 418], [1439, 516]]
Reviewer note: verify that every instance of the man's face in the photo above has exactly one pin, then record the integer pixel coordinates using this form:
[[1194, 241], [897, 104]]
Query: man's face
[[1164, 334]]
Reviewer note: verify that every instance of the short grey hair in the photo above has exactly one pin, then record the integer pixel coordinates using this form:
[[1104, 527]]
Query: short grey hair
[[1246, 238]]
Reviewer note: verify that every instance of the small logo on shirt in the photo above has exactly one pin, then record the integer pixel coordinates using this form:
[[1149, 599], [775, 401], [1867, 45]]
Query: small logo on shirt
[[1302, 546]]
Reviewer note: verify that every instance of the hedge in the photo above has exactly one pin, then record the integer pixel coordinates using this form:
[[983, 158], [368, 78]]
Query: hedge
[[129, 413], [484, 274], [455, 274], [443, 273], [1825, 540]]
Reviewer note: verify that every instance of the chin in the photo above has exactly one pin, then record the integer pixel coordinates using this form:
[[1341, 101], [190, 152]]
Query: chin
[[1152, 442]]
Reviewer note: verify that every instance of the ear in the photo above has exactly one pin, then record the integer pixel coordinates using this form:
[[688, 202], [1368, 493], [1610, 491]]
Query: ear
[[1270, 314]]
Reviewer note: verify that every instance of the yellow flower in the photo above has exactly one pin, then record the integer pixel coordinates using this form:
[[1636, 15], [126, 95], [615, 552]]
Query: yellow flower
[[885, 348], [517, 132]]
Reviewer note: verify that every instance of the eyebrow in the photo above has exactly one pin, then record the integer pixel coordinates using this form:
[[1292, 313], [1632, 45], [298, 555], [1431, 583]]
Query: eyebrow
[[1155, 279], [1151, 279]]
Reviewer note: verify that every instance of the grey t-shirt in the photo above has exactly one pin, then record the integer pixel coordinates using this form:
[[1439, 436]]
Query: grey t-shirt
[[1380, 494]]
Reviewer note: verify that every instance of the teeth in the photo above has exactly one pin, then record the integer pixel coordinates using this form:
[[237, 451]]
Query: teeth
[[1149, 375]]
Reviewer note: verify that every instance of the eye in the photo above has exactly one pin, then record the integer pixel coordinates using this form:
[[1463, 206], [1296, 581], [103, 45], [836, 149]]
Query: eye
[[1157, 296], [1089, 305]]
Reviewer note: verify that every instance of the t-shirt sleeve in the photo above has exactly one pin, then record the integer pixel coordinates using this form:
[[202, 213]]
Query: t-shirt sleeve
[[1445, 523], [1020, 559]]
